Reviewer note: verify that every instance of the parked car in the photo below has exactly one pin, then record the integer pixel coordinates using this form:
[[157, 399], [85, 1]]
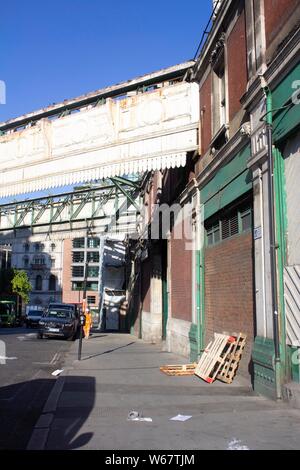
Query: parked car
[[33, 317], [72, 307], [60, 322]]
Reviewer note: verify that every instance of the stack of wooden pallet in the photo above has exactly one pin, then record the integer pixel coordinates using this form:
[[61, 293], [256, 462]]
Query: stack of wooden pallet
[[219, 360]]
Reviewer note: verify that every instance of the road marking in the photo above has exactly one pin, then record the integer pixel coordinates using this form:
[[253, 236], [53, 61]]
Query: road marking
[[54, 359], [5, 358]]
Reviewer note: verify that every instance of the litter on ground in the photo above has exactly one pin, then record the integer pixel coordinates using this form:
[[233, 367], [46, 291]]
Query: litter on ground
[[236, 444], [180, 418], [57, 372], [136, 416]]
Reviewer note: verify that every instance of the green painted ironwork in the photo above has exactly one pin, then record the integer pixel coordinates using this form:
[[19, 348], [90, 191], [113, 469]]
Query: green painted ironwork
[[193, 341], [281, 233], [286, 120], [54, 206], [263, 356], [230, 182]]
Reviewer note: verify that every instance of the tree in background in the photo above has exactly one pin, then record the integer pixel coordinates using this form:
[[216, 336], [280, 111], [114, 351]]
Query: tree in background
[[20, 285]]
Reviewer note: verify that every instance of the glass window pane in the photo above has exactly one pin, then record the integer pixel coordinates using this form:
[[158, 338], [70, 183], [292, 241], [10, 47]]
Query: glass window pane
[[78, 257], [246, 221], [217, 235], [93, 256], [93, 271], [210, 238], [93, 243], [78, 243]]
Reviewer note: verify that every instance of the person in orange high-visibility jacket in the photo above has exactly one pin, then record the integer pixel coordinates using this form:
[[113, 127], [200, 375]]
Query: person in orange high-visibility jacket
[[88, 320]]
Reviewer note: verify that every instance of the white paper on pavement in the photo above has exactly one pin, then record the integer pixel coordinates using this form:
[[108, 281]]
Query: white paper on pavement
[[180, 418], [57, 372]]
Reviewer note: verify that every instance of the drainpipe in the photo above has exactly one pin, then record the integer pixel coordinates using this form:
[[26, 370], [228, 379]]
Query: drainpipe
[[273, 244], [199, 279]]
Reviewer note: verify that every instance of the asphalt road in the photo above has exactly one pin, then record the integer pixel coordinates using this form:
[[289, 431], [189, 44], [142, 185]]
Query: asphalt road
[[26, 366]]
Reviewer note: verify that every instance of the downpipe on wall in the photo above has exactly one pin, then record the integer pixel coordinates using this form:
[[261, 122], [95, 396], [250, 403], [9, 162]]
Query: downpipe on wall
[[273, 244]]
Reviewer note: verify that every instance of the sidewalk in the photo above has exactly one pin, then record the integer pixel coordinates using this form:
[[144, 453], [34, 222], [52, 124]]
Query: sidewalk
[[90, 402]]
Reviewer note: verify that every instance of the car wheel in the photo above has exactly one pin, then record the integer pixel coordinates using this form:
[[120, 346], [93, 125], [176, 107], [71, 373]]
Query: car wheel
[[40, 335], [71, 338]]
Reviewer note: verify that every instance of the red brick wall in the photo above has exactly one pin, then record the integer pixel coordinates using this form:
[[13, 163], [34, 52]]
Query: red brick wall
[[181, 280], [237, 65], [69, 296], [229, 291], [145, 285], [277, 12], [205, 109]]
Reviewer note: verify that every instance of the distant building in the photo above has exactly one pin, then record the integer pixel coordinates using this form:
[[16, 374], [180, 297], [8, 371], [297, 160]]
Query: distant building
[[5, 256], [42, 260]]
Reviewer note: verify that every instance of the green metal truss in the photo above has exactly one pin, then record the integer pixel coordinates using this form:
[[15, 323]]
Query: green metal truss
[[68, 207]]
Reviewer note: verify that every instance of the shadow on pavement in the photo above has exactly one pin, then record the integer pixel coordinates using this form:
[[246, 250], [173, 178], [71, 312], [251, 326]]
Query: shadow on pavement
[[108, 351], [22, 404], [20, 407], [76, 401]]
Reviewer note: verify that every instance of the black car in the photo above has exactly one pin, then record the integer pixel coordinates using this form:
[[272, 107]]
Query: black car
[[58, 322], [33, 318]]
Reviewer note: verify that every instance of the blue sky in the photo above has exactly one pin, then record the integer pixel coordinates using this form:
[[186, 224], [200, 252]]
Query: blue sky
[[57, 49]]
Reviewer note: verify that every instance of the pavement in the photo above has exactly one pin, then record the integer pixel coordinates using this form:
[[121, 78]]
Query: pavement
[[25, 382], [89, 405]]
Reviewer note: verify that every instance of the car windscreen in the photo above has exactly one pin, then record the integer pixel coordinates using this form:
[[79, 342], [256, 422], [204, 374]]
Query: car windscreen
[[59, 313]]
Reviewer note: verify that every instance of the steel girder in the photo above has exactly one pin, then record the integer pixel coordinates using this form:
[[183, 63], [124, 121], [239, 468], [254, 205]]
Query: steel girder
[[76, 206]]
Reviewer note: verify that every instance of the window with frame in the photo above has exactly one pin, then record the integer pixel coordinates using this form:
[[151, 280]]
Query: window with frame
[[93, 242], [39, 260], [91, 299], [90, 286], [93, 256], [78, 242], [93, 271], [38, 282], [78, 256], [77, 271], [229, 223], [219, 95], [52, 282]]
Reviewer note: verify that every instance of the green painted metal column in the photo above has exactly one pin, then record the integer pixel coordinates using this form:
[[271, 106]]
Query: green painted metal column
[[281, 230]]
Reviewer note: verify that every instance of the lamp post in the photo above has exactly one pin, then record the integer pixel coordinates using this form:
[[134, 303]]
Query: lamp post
[[82, 315]]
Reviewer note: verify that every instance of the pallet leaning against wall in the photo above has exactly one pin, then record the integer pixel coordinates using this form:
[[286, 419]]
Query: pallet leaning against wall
[[214, 356], [232, 359]]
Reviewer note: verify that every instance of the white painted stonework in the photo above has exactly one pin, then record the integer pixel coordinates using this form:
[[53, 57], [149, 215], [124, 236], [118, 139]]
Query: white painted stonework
[[178, 337], [143, 132]]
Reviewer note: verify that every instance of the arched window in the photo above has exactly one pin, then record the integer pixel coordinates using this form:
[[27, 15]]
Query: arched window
[[52, 282], [38, 282]]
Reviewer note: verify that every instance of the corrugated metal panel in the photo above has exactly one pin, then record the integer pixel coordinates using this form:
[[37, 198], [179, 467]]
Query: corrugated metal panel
[[292, 304], [292, 172]]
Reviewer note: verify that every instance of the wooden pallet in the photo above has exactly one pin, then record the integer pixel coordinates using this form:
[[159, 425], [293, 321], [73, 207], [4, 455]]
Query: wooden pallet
[[179, 369], [230, 365], [214, 356]]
